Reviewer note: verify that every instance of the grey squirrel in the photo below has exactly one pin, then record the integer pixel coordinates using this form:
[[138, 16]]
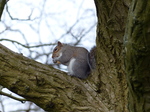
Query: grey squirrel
[[79, 61]]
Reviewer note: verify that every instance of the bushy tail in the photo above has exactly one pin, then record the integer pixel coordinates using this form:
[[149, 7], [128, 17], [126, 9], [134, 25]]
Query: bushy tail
[[92, 56]]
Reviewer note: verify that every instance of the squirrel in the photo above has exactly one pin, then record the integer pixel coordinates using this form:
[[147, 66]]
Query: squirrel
[[79, 61]]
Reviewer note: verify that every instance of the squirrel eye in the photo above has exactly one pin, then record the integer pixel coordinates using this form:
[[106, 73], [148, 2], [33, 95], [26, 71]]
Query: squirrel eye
[[55, 49]]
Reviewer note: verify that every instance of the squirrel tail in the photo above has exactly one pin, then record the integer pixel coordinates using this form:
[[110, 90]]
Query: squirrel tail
[[92, 57]]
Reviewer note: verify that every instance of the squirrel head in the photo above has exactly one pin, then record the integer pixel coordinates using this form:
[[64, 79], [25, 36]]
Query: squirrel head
[[57, 50]]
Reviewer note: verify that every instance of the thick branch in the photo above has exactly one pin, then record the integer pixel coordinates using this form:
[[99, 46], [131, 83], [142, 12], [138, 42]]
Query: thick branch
[[137, 60], [47, 87]]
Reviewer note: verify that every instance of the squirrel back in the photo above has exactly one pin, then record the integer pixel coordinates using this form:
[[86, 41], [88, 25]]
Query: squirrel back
[[78, 59]]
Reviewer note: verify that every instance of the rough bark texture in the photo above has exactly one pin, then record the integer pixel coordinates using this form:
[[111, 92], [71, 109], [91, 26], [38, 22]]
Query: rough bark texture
[[106, 88], [137, 40], [47, 87], [112, 15]]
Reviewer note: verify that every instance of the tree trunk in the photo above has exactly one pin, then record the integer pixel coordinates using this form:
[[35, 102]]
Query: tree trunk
[[105, 90], [112, 17], [137, 41]]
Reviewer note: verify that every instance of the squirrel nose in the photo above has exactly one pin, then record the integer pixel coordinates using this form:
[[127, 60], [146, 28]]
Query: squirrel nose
[[53, 56]]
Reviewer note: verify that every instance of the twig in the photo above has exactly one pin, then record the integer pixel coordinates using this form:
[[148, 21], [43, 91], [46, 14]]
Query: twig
[[13, 41], [13, 97], [2, 106]]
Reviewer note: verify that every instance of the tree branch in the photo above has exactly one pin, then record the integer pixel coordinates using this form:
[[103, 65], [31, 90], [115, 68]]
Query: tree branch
[[47, 87], [2, 5], [13, 97], [25, 46]]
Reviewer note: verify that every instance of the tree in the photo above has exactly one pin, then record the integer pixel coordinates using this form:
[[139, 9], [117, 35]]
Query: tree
[[120, 23]]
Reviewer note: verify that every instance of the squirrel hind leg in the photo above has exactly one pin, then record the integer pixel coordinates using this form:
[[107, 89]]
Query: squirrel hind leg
[[71, 67], [80, 70]]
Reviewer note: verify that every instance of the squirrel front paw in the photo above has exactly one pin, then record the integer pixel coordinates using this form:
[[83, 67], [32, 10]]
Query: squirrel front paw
[[56, 61], [70, 74]]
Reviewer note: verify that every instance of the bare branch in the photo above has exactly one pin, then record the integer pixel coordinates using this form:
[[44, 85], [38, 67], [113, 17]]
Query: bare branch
[[2, 105], [18, 19], [2, 5], [25, 46], [22, 100]]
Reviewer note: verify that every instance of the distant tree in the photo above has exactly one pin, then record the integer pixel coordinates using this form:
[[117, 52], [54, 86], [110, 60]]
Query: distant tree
[[122, 36]]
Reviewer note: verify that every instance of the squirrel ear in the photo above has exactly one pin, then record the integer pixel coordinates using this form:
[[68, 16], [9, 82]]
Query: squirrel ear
[[59, 44]]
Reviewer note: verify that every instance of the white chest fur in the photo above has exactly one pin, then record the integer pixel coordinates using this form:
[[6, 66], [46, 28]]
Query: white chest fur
[[70, 66]]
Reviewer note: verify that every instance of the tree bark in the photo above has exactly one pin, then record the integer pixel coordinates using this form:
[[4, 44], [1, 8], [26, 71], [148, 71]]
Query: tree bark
[[137, 41], [105, 90], [47, 87], [112, 16]]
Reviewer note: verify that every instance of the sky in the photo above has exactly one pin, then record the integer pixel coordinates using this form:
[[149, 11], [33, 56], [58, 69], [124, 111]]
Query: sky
[[34, 22], [49, 22]]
